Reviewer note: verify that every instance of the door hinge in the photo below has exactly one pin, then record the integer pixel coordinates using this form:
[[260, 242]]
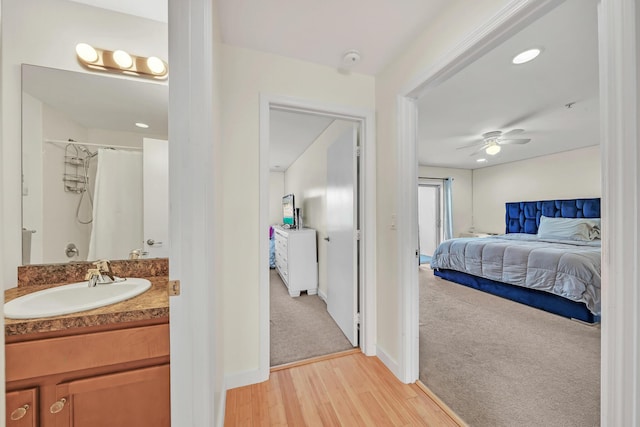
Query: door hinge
[[356, 318], [358, 235], [358, 151], [174, 288]]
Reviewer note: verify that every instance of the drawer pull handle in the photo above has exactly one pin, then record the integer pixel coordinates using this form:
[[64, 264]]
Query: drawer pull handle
[[57, 406], [19, 413]]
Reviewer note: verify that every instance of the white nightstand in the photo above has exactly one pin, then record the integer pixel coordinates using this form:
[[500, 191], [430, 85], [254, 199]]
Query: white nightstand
[[476, 234]]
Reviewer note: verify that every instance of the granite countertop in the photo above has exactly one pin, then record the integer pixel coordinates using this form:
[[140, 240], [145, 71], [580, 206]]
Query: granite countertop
[[152, 304]]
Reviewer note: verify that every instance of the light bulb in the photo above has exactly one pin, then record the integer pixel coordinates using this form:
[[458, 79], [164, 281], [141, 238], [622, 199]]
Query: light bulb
[[156, 65], [492, 150], [123, 59], [86, 52]]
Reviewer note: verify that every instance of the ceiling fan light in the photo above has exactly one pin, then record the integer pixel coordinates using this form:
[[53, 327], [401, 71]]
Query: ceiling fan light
[[492, 150]]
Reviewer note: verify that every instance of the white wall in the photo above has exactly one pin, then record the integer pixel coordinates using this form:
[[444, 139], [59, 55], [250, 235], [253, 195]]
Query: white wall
[[45, 33], [247, 74], [307, 179], [462, 194], [437, 39], [276, 191], [567, 175]]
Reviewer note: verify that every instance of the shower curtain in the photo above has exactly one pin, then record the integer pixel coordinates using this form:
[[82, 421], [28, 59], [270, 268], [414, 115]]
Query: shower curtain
[[117, 206]]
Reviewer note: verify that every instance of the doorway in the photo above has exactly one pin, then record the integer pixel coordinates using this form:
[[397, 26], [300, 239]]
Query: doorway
[[313, 260], [411, 102], [429, 219], [365, 217]]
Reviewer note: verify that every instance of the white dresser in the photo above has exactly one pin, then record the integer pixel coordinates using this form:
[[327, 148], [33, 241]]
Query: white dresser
[[297, 260]]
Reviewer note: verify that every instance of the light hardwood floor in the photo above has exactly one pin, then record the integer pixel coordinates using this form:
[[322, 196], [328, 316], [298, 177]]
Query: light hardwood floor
[[350, 390]]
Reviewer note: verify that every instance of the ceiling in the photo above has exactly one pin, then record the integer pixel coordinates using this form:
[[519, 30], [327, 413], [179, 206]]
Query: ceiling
[[290, 134], [490, 94], [322, 31], [493, 94], [100, 102]]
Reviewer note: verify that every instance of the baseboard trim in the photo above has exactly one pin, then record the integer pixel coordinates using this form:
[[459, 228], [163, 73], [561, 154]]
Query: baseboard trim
[[322, 295], [388, 361], [315, 359], [445, 408], [223, 408], [242, 379]]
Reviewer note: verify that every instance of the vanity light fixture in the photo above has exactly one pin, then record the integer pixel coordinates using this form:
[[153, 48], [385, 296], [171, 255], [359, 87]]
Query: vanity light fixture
[[120, 61], [526, 56], [142, 125]]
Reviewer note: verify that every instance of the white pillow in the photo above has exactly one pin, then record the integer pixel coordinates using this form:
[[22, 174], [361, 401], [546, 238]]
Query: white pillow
[[585, 229]]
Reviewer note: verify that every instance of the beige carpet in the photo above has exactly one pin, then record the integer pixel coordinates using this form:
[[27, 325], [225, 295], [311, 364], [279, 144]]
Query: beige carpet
[[301, 327], [500, 363]]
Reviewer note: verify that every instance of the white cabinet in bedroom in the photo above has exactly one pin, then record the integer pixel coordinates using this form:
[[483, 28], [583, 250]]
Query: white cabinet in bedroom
[[297, 260], [476, 234]]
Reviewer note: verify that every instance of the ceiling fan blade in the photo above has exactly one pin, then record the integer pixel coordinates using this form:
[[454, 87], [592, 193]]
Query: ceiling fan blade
[[472, 144], [479, 150], [513, 132], [514, 141]]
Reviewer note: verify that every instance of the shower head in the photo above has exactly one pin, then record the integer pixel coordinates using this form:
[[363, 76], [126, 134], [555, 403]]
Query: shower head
[[86, 151]]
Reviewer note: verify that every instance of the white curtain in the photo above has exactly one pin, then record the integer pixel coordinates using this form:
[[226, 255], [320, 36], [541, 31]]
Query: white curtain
[[448, 209], [117, 205]]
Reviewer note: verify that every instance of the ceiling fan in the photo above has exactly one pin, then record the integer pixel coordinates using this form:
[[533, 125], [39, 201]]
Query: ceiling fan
[[492, 142]]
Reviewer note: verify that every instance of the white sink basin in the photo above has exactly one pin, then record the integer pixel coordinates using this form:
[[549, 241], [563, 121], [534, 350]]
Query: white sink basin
[[73, 298]]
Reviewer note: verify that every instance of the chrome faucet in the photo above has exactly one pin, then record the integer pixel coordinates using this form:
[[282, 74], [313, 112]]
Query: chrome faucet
[[97, 275]]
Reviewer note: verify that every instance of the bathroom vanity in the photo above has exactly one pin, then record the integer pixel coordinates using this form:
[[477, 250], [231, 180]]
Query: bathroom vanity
[[103, 367]]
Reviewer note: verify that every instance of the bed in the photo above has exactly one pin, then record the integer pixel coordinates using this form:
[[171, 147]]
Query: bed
[[544, 259]]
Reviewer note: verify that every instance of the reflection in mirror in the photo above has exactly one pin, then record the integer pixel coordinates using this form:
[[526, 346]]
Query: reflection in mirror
[[82, 165]]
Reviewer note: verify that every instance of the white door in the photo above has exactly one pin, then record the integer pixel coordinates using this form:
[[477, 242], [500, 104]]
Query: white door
[[428, 218], [155, 183], [342, 285]]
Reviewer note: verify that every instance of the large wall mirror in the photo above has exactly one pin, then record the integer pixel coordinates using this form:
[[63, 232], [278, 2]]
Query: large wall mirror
[[94, 167]]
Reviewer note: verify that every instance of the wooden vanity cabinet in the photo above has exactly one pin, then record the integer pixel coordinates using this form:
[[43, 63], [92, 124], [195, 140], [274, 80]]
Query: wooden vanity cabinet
[[108, 378]]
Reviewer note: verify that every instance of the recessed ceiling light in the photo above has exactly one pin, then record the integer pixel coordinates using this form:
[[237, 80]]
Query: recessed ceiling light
[[481, 160], [142, 125], [526, 56]]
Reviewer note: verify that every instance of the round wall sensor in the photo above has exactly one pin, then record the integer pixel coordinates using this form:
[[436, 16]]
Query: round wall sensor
[[351, 57]]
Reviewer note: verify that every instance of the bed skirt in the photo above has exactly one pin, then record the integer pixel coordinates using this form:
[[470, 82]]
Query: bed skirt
[[532, 297]]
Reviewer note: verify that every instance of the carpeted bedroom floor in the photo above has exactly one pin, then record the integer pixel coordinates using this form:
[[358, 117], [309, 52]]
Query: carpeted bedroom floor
[[301, 327], [500, 363]]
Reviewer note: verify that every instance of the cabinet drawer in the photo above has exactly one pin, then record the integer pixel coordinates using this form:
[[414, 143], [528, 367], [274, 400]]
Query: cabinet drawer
[[73, 353]]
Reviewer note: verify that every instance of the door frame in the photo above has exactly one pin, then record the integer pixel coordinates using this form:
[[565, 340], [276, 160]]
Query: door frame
[[367, 215], [618, 21]]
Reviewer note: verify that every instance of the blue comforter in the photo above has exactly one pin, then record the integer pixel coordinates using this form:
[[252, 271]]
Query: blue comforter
[[563, 267]]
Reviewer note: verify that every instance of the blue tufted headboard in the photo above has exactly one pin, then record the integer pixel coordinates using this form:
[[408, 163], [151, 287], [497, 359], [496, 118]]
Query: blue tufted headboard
[[524, 217]]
